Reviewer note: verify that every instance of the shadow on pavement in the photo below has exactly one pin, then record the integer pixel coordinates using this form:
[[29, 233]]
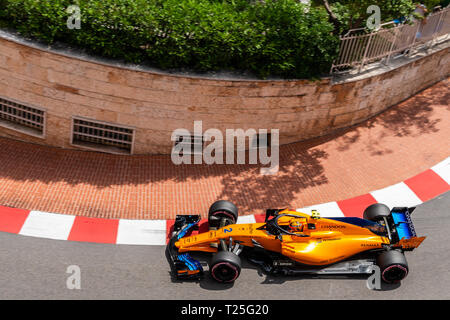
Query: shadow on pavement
[[208, 283]]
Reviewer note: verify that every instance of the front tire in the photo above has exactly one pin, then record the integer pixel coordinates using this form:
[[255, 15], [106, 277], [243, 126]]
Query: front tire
[[393, 266], [220, 211], [225, 267]]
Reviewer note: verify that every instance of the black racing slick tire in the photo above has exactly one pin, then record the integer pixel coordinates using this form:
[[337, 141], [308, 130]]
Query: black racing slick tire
[[393, 266], [376, 212], [225, 267], [222, 210]]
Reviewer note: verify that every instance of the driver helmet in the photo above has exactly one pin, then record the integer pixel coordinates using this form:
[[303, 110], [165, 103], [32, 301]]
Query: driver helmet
[[296, 225]]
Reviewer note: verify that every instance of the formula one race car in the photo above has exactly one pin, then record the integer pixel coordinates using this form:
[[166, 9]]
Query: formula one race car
[[290, 243]]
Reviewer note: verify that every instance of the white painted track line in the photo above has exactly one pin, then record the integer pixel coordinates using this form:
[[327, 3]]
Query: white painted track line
[[47, 225], [329, 209], [246, 219], [397, 195], [142, 232], [443, 169]]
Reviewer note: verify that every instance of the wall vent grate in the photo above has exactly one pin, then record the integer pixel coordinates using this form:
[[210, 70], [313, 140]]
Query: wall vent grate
[[102, 136], [22, 118], [190, 143]]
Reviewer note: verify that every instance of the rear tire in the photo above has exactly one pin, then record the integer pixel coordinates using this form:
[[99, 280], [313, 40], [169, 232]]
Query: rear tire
[[225, 267], [376, 212], [222, 209], [393, 266]]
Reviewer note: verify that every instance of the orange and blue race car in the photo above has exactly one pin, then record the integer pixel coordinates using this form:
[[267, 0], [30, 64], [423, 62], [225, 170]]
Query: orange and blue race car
[[292, 243]]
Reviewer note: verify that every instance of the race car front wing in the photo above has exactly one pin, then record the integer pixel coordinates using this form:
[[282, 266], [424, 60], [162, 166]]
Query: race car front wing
[[183, 266]]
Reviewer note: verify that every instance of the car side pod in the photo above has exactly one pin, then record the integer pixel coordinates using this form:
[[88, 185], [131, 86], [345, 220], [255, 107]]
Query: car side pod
[[183, 266]]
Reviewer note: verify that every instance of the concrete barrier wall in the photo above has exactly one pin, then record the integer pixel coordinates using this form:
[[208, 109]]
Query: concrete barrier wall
[[156, 104]]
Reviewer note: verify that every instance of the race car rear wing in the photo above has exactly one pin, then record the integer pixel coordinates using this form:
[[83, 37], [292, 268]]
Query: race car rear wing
[[405, 235], [403, 222]]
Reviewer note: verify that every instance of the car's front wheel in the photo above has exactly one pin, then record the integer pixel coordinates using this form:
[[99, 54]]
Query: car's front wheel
[[222, 213], [225, 267]]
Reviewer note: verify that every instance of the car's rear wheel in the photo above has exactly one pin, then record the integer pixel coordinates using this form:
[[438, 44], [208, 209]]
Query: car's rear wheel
[[225, 267], [222, 213], [393, 266], [376, 212]]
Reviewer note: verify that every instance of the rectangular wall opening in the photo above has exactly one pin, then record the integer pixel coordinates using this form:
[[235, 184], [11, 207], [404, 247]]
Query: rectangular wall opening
[[101, 136], [190, 143], [22, 118]]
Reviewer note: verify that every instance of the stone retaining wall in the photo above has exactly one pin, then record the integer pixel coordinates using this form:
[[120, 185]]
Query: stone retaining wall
[[156, 104]]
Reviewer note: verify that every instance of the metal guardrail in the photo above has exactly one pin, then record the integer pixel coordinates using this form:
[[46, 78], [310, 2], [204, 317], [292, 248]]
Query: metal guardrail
[[359, 48]]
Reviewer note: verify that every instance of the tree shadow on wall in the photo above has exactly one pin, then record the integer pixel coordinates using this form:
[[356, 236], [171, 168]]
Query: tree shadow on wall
[[412, 117]]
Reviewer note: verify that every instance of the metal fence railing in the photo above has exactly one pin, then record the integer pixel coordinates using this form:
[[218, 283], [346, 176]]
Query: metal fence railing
[[359, 48]]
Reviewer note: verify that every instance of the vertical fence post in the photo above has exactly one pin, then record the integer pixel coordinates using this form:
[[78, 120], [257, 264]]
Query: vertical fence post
[[436, 29], [419, 23], [341, 48], [392, 45], [363, 61]]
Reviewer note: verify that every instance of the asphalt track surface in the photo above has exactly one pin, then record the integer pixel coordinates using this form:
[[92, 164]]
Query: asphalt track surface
[[34, 268]]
